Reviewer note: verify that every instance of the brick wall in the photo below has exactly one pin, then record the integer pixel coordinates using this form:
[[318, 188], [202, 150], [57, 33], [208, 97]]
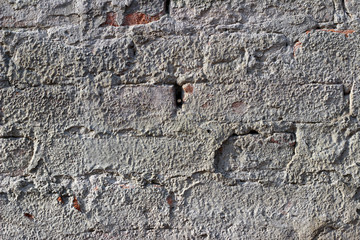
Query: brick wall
[[179, 119]]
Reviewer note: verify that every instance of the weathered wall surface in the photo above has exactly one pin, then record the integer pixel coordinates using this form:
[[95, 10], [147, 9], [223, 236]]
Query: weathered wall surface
[[179, 119]]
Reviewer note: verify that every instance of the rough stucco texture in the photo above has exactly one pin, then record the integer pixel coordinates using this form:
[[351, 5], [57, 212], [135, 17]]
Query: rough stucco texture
[[180, 119]]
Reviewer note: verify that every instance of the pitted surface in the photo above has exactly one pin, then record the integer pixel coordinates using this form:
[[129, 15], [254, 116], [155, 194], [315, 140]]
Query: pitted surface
[[179, 119]]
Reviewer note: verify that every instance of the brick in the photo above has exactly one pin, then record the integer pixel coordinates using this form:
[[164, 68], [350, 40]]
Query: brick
[[134, 206], [351, 160], [63, 107], [16, 155], [223, 12], [30, 13], [138, 206], [126, 154], [4, 66], [248, 210], [122, 105], [313, 164], [248, 53], [242, 103], [33, 62], [125, 13], [178, 58], [115, 56], [110, 20], [139, 18], [42, 106], [255, 157], [328, 56]]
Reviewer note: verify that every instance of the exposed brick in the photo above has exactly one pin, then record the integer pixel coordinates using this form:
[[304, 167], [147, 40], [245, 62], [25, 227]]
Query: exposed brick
[[297, 45], [139, 18], [188, 88], [110, 20], [345, 32]]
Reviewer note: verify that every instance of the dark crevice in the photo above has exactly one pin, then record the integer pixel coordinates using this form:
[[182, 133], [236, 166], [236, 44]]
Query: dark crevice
[[170, 199], [80, 130], [38, 166], [179, 93], [132, 50], [5, 83], [345, 8], [347, 91], [322, 231], [356, 196], [219, 154], [11, 137], [253, 132], [167, 6], [29, 216]]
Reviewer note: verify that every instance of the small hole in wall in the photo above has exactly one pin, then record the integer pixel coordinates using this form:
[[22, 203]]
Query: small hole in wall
[[347, 91], [358, 211], [253, 132], [178, 96], [28, 215], [132, 49], [203, 235], [208, 131]]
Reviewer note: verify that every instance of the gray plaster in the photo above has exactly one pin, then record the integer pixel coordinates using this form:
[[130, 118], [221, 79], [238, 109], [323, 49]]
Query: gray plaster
[[132, 119]]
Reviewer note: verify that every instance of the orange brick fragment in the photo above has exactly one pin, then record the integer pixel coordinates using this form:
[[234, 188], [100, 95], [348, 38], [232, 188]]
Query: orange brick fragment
[[297, 45], [28, 215], [76, 204], [110, 20], [188, 88], [170, 201], [139, 18], [60, 200], [346, 32], [272, 140]]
